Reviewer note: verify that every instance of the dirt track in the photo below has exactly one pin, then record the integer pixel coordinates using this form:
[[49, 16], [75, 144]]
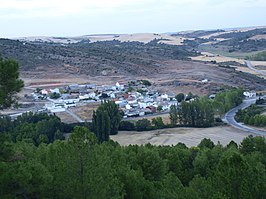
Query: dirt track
[[189, 136]]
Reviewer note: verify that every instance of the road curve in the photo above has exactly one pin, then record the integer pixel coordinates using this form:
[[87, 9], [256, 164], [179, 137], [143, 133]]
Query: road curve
[[249, 65], [229, 117]]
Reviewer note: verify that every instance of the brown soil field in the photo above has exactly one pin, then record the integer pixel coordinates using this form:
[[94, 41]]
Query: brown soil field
[[188, 136]]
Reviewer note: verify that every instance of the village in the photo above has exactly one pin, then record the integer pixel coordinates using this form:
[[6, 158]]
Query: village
[[135, 98]]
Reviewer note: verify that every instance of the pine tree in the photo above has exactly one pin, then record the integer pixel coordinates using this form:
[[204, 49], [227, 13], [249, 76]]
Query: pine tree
[[10, 84]]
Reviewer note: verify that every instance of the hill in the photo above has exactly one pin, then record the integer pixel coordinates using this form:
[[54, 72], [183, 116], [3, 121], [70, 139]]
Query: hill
[[165, 59]]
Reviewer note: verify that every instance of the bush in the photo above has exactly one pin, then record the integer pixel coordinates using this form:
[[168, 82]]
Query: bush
[[143, 125], [145, 82], [180, 97], [54, 95], [126, 126]]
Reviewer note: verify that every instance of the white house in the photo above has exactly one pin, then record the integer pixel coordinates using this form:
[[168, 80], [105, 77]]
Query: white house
[[249, 94], [164, 97], [56, 90], [204, 81], [142, 105], [44, 92], [128, 107], [84, 97], [119, 86]]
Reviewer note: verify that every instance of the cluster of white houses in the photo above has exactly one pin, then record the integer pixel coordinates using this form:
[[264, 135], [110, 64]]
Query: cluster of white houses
[[134, 100]]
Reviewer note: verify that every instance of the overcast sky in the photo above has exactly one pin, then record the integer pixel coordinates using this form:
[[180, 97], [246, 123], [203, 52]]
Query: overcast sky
[[20, 18]]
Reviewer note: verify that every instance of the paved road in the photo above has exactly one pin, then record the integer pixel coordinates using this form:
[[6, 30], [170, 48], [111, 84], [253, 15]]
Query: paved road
[[229, 117], [249, 65]]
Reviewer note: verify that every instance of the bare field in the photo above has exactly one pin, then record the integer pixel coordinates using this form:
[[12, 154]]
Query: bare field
[[211, 57], [85, 112], [65, 117], [259, 64], [188, 136], [258, 37]]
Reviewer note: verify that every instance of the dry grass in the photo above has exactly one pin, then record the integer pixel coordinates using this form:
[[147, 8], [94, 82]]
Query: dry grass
[[141, 37], [65, 117], [258, 63], [189, 136], [85, 112], [211, 57], [165, 118], [258, 37], [229, 31]]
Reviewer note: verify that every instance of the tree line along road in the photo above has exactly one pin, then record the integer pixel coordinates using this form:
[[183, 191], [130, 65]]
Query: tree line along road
[[229, 117]]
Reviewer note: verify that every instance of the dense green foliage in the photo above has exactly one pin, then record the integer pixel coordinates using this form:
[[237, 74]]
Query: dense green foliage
[[33, 128], [200, 112], [106, 120], [173, 115], [10, 84], [82, 168], [114, 115], [252, 116], [224, 101], [180, 97], [143, 125], [158, 122], [54, 95], [126, 126], [259, 56], [101, 124]]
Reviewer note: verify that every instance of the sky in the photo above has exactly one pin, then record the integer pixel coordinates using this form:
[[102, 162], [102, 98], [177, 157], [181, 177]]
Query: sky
[[20, 18]]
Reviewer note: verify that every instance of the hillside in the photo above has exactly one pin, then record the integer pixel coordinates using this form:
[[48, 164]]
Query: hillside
[[165, 59], [111, 57]]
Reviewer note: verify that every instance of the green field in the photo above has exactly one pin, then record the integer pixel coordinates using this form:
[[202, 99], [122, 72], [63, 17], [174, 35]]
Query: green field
[[224, 51]]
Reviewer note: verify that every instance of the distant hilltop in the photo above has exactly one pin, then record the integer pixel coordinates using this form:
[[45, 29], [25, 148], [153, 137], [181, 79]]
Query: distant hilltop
[[173, 38]]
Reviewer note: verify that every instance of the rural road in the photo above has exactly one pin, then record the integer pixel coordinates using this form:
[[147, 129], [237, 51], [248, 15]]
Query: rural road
[[229, 117], [249, 65]]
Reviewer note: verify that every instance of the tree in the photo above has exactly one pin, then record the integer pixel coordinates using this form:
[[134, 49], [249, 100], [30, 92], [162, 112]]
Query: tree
[[159, 108], [126, 126], [173, 115], [54, 95], [10, 84], [206, 143], [180, 97], [143, 125], [101, 124], [114, 116], [158, 122], [145, 82], [189, 96]]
